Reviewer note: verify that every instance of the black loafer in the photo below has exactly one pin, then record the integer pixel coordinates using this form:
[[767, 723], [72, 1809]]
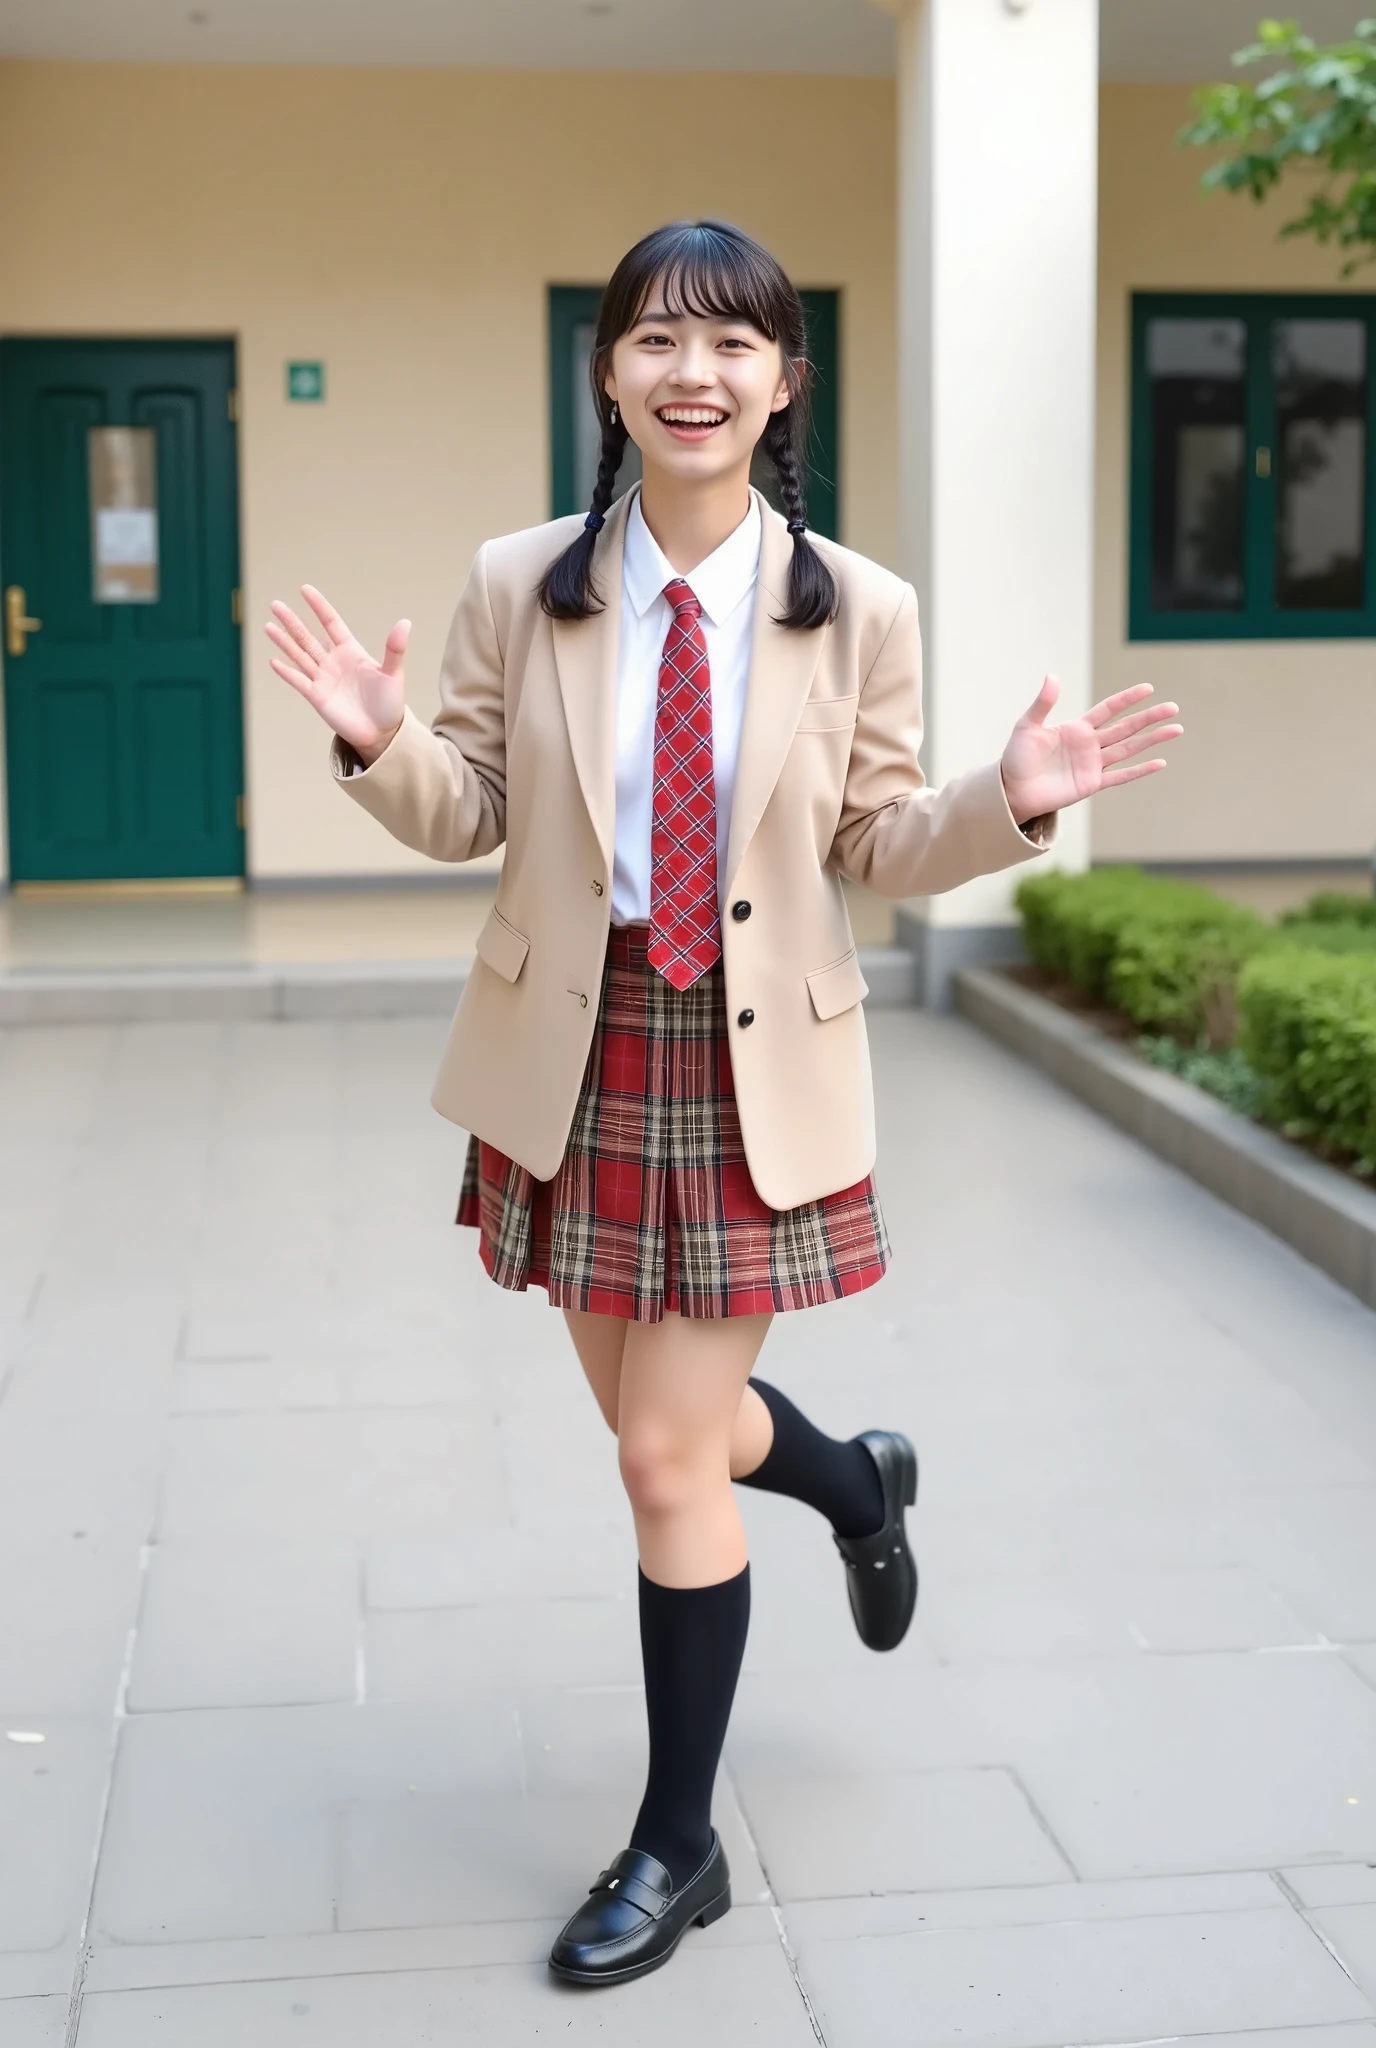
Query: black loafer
[[881, 1575], [633, 1919]]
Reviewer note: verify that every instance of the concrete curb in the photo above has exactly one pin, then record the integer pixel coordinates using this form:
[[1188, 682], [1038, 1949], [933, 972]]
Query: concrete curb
[[1327, 1217], [400, 988]]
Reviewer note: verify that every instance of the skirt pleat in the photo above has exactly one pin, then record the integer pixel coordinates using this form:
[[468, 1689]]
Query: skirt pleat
[[652, 1207]]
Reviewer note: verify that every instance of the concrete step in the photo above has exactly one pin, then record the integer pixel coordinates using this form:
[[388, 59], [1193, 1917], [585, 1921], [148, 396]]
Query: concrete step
[[282, 992]]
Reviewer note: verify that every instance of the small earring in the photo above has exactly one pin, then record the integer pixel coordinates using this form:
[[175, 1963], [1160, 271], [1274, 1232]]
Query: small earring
[[615, 414]]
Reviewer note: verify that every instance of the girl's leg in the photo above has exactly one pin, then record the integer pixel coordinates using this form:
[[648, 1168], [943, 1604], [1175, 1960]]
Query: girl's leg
[[681, 1386], [776, 1448], [599, 1342], [773, 1445]]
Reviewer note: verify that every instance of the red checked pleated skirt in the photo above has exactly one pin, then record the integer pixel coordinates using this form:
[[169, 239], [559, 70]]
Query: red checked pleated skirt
[[653, 1207]]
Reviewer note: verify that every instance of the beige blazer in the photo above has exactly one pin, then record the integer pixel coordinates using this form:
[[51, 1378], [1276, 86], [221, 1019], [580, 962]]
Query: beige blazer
[[828, 784]]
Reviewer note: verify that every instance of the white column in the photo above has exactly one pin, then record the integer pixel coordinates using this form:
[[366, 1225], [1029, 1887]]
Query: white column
[[998, 172]]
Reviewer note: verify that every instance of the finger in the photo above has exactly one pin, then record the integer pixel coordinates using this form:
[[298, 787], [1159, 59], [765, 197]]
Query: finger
[[1125, 749], [1115, 776], [300, 633], [394, 651], [1044, 702], [1109, 707], [1124, 728], [329, 618], [290, 674], [293, 649]]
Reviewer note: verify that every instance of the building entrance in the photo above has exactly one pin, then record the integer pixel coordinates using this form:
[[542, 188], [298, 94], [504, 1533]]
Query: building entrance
[[119, 562]]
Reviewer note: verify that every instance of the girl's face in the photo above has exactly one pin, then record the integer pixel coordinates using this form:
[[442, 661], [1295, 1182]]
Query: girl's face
[[695, 392]]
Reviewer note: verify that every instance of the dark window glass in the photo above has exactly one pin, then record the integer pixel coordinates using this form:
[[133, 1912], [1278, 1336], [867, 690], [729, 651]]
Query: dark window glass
[[1320, 377], [1197, 372]]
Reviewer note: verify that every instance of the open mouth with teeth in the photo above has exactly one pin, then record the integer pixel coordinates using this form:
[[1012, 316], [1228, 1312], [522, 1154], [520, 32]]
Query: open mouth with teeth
[[691, 422]]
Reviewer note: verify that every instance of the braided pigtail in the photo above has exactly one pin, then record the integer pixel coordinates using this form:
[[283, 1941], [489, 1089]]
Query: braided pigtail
[[567, 590], [812, 597]]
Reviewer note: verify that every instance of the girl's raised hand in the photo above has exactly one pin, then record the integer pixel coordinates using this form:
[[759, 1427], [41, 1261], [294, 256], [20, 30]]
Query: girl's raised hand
[[1048, 767], [362, 699]]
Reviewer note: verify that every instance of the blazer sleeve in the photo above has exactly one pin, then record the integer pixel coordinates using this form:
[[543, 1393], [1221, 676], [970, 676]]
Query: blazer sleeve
[[896, 835], [442, 788]]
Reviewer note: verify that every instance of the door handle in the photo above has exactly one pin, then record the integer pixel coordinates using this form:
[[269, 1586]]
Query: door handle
[[18, 624]]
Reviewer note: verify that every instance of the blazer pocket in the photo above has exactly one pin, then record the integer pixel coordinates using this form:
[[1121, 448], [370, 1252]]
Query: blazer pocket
[[838, 987], [501, 947], [828, 714]]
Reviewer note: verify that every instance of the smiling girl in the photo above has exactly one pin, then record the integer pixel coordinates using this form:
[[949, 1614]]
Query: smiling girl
[[687, 719]]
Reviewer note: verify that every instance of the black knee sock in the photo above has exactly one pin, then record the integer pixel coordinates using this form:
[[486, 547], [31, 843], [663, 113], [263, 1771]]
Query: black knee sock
[[839, 1479], [692, 1639]]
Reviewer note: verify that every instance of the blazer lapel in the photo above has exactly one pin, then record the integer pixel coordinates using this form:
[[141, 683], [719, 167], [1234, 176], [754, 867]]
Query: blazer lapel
[[783, 663], [585, 656]]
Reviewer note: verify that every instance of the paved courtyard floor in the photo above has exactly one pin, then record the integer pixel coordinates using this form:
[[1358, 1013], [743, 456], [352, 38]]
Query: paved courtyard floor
[[318, 1658]]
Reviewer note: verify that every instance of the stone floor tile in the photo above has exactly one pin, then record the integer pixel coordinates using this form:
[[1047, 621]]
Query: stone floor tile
[[472, 1857], [1141, 1766], [1352, 1932], [33, 2022], [1362, 1658], [277, 1477], [1314, 1544], [67, 1602], [703, 1993], [50, 1798], [227, 1825], [924, 1831], [1038, 1905], [242, 1386], [225, 1626], [1332, 1884], [441, 1654], [522, 1564], [1223, 1607], [1110, 1981]]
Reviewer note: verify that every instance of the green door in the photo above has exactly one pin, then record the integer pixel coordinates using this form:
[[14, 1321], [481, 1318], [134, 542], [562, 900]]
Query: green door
[[119, 560]]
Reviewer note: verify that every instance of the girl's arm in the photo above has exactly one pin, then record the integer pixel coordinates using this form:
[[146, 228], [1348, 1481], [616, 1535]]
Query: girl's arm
[[896, 835], [442, 788], [904, 839]]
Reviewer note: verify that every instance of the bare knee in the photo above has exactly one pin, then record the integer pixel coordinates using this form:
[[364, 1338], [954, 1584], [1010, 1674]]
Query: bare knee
[[661, 1475]]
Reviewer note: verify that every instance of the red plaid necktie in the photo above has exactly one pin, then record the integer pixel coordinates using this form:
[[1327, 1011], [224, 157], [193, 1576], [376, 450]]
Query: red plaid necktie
[[685, 926]]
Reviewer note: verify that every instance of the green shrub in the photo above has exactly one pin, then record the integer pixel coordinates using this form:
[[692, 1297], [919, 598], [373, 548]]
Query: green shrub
[[1328, 936], [1165, 952], [1228, 1075], [1333, 907], [1308, 1028]]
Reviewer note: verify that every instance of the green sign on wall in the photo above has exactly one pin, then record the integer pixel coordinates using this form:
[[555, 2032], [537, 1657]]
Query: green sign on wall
[[306, 383]]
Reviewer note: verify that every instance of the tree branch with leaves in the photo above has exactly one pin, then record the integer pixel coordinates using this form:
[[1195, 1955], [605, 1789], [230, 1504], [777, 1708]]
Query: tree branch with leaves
[[1313, 114]]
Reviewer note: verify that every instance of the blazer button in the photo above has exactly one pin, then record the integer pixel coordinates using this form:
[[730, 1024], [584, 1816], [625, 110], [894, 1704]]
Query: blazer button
[[740, 911], [597, 888], [582, 1002], [746, 1017]]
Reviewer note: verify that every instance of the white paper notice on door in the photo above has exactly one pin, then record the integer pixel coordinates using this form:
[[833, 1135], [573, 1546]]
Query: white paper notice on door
[[124, 515]]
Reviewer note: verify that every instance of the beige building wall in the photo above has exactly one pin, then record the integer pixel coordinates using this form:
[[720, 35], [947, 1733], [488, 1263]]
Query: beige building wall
[[403, 226], [1279, 756]]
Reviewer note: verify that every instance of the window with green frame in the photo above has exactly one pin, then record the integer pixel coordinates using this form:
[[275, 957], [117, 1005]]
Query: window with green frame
[[1252, 513], [574, 435]]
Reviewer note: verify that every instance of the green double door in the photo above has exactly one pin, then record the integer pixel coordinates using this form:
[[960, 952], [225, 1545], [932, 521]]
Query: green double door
[[119, 563]]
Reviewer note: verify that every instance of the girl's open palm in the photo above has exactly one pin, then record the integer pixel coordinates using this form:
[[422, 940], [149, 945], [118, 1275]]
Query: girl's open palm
[[362, 699], [1048, 767]]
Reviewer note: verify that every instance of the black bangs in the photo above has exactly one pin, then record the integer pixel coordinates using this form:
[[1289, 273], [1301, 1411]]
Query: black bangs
[[710, 273], [705, 269]]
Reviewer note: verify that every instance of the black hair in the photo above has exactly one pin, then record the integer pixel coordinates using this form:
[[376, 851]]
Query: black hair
[[717, 272]]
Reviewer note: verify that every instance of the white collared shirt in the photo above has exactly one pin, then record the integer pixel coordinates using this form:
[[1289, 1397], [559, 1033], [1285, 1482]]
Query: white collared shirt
[[724, 585]]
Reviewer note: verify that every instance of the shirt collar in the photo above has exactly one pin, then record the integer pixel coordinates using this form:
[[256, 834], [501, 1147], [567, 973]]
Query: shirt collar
[[719, 583]]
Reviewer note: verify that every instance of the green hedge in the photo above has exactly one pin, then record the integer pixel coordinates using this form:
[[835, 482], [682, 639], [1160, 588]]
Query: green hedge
[[1332, 907], [1166, 953], [1309, 1031]]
